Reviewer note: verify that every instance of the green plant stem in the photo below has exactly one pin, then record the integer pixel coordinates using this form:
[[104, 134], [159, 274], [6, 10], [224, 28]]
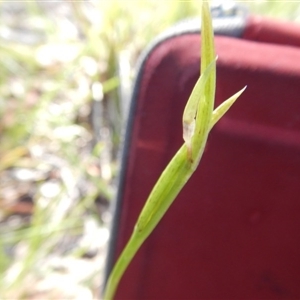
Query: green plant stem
[[182, 165], [198, 120], [164, 189], [121, 265]]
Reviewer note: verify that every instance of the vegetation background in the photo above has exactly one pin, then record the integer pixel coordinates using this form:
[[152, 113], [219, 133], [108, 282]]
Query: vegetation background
[[65, 75]]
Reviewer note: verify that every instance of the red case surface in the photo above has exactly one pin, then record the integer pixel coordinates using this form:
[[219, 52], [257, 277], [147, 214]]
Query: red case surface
[[233, 232]]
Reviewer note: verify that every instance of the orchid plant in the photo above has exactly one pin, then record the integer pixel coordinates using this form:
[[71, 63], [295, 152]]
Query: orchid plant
[[198, 119]]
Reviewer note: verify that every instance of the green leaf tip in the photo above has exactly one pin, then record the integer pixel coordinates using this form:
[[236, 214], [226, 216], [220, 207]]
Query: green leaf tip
[[219, 112]]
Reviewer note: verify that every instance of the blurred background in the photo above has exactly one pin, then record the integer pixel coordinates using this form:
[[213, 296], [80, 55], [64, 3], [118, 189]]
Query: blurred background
[[66, 71]]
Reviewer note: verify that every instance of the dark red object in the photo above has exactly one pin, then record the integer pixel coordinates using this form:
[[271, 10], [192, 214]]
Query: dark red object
[[234, 230]]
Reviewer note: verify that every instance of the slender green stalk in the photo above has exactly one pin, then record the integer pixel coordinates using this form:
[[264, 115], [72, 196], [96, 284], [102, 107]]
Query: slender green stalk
[[198, 119]]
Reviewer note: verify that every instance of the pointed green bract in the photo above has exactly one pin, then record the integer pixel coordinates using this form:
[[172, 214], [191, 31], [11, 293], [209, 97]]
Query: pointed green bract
[[191, 108], [206, 103], [219, 112]]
